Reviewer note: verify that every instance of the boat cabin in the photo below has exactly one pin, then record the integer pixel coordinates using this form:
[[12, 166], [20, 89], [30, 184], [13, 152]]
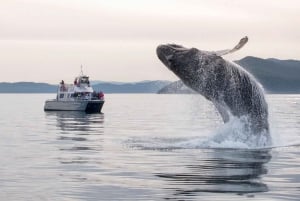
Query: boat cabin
[[80, 90]]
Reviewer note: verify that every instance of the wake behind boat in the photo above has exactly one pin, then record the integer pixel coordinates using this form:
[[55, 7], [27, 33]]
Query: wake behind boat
[[79, 96]]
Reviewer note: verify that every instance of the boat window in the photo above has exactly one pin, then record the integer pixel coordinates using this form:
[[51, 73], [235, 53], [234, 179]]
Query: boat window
[[84, 80], [61, 96]]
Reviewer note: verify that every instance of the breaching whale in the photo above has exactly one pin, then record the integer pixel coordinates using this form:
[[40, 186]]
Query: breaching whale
[[233, 91]]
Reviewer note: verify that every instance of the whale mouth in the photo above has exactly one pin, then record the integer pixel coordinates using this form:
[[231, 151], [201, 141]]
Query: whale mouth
[[166, 53]]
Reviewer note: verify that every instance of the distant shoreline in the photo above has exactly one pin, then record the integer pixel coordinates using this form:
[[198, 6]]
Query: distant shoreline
[[276, 76]]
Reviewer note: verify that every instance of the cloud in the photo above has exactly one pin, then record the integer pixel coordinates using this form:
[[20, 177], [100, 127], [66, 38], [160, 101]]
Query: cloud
[[145, 20], [117, 39]]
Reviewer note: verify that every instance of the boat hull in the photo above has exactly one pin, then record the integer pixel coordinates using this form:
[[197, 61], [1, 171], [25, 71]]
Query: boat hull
[[89, 106]]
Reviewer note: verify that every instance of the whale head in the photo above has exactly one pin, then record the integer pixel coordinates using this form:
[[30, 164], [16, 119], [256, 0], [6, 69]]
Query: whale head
[[196, 68], [176, 57], [186, 62]]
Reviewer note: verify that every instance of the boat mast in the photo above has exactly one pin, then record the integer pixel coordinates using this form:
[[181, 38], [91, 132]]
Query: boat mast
[[81, 71]]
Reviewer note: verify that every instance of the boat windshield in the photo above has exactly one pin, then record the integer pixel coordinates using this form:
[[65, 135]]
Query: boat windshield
[[84, 80]]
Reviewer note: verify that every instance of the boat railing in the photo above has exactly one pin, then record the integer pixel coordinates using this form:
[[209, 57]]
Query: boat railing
[[88, 96], [65, 87]]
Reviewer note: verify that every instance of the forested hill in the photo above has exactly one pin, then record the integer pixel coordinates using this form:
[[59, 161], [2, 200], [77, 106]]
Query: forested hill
[[277, 76], [106, 87]]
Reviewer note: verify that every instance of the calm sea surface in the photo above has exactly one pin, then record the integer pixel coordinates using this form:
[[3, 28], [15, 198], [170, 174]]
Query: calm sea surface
[[144, 147]]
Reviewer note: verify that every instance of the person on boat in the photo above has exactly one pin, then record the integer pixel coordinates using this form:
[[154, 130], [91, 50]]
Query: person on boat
[[101, 95], [62, 87], [94, 94]]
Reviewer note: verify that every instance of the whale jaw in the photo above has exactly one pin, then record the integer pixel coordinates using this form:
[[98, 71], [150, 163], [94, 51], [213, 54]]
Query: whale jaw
[[168, 53], [164, 54]]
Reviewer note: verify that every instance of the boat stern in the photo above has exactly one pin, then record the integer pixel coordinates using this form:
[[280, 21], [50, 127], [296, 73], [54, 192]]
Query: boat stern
[[94, 106]]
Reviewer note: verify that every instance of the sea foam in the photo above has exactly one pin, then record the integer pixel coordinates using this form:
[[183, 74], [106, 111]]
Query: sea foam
[[234, 134]]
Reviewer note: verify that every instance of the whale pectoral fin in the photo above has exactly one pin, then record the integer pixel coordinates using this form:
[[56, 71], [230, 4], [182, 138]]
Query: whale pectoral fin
[[222, 52], [223, 112], [241, 44]]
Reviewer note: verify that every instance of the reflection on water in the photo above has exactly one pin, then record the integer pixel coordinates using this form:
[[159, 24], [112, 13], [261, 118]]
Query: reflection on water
[[77, 121], [77, 156], [77, 131], [221, 171], [80, 143]]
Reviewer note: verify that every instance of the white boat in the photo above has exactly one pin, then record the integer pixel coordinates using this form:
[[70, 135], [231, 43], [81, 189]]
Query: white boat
[[79, 96]]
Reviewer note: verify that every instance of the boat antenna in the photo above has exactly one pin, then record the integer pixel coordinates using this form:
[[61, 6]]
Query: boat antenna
[[81, 71]]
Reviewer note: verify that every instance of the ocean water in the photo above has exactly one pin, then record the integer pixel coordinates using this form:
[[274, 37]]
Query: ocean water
[[145, 147]]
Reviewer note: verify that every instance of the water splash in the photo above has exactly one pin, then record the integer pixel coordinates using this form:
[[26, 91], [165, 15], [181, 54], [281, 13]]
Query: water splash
[[235, 134]]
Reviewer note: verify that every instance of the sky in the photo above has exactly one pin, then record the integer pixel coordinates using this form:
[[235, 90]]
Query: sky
[[116, 40]]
